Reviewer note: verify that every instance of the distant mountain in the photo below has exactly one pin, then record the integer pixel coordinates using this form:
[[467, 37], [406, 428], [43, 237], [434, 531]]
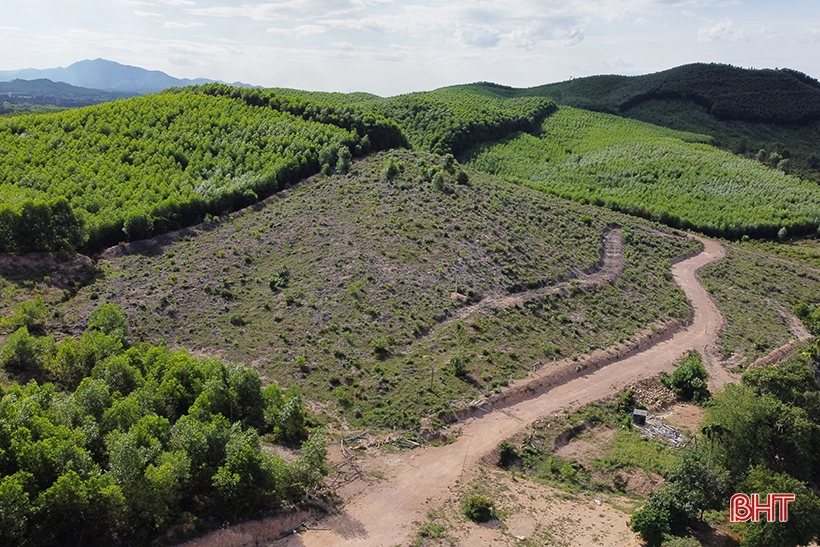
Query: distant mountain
[[43, 91], [107, 76]]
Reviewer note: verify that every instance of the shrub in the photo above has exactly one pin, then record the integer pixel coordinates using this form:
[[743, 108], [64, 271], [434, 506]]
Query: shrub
[[138, 225], [29, 314], [651, 522], [809, 316], [626, 235], [381, 347], [438, 181], [432, 530], [290, 423], [626, 401], [507, 454], [391, 169], [280, 279], [459, 365], [343, 165], [449, 163], [689, 379], [19, 352], [110, 319], [478, 508]]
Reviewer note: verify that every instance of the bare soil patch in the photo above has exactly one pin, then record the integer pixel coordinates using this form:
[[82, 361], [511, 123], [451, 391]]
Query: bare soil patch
[[538, 514], [684, 416], [588, 446]]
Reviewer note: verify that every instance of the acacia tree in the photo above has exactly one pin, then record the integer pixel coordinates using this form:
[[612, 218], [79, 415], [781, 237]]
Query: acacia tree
[[15, 509], [111, 320], [803, 526]]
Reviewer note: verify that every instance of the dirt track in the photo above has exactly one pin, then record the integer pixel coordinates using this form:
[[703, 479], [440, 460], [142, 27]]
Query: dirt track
[[383, 513], [609, 269]]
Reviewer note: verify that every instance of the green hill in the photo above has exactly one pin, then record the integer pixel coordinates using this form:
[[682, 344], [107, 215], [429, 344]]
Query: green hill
[[130, 169], [727, 92], [656, 173], [746, 111], [445, 121], [92, 177]]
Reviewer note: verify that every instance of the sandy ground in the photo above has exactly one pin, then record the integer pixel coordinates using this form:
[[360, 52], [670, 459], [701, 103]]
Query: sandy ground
[[684, 416], [387, 513], [540, 514]]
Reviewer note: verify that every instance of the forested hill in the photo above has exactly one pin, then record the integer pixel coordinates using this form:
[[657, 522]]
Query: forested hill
[[728, 93], [769, 115], [130, 169]]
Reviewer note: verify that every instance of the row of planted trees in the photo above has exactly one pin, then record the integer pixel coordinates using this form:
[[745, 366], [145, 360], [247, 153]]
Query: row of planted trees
[[127, 443]]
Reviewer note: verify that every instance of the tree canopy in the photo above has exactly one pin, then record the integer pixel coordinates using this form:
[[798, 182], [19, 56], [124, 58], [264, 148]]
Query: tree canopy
[[141, 439]]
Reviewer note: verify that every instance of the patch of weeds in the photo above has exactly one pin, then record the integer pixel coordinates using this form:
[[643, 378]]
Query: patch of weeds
[[238, 320], [280, 280], [478, 508], [381, 347], [507, 454]]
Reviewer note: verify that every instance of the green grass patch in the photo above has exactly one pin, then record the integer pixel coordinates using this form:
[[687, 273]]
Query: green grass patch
[[630, 450], [622, 450]]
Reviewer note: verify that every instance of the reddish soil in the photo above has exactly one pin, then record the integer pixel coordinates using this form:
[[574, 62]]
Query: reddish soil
[[684, 416]]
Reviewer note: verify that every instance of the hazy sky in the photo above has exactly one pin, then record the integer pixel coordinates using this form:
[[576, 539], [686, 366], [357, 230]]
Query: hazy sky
[[395, 46]]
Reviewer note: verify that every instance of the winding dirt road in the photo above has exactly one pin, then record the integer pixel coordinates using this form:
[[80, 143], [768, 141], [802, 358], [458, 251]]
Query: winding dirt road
[[383, 513], [610, 269]]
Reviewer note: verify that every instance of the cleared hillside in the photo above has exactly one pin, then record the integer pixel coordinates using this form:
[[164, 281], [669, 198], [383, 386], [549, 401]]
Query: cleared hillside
[[345, 286]]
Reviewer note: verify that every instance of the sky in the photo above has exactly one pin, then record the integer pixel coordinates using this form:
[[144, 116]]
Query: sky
[[388, 47]]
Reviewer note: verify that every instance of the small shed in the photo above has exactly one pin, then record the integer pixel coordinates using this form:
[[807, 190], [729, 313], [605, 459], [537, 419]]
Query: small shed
[[639, 416]]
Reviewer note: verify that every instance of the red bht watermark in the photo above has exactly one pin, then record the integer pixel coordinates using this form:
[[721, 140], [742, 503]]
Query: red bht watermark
[[743, 508]]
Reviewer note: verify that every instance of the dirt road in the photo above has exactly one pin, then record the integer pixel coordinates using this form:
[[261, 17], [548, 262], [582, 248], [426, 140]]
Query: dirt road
[[383, 513], [610, 269]]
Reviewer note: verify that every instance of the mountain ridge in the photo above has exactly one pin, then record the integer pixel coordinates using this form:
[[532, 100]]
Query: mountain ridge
[[47, 92], [107, 76]]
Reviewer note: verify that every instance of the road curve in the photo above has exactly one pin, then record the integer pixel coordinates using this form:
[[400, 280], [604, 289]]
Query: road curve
[[383, 514]]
